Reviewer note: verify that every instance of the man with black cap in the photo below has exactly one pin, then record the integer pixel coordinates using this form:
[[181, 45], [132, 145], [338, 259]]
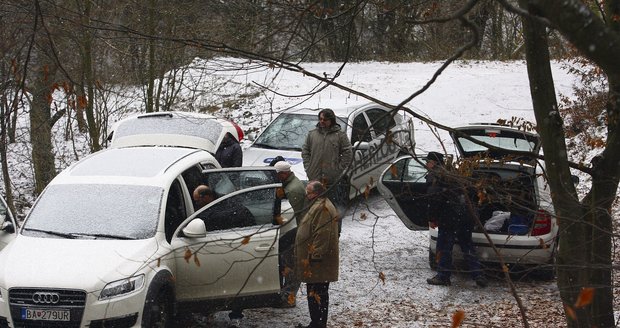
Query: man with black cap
[[449, 213]]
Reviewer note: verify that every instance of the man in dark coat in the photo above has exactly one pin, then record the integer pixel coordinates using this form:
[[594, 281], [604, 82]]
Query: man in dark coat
[[229, 153], [449, 212]]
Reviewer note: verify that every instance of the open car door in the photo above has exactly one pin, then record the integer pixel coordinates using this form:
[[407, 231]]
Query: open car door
[[403, 185], [8, 225], [229, 248]]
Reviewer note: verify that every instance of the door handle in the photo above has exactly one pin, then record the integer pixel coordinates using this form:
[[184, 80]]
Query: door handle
[[263, 248]]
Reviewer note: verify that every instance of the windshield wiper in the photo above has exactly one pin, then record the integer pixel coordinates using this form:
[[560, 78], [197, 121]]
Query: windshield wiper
[[55, 233], [262, 145], [103, 235]]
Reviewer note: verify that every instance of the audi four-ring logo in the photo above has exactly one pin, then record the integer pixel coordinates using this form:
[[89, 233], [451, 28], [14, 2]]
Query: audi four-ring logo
[[45, 298]]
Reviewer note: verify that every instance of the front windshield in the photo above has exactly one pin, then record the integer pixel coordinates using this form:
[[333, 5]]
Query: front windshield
[[97, 211], [288, 131]]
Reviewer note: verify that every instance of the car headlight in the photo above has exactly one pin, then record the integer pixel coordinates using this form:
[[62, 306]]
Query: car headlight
[[121, 287]]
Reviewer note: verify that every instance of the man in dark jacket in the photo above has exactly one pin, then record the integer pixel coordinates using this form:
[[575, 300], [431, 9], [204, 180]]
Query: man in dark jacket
[[229, 153], [449, 212]]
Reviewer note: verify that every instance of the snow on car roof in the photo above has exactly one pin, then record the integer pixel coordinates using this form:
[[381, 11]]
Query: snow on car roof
[[138, 162], [344, 111]]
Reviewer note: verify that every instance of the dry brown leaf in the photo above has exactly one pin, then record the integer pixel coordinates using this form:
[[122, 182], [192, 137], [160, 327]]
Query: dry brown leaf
[[457, 318], [159, 262], [311, 248], [585, 297], [187, 255], [394, 171], [570, 312], [316, 296], [279, 219], [382, 277], [366, 192], [196, 260], [542, 244], [246, 240], [291, 299]]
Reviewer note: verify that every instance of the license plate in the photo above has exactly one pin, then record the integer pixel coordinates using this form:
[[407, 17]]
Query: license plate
[[46, 314]]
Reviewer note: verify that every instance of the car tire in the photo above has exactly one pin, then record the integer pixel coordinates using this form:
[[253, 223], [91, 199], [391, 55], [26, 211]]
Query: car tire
[[159, 310], [432, 260]]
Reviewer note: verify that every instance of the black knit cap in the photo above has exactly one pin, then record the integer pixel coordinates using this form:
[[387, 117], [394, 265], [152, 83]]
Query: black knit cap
[[435, 156]]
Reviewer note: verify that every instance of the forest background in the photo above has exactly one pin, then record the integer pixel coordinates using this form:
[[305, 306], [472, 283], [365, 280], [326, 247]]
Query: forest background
[[68, 61]]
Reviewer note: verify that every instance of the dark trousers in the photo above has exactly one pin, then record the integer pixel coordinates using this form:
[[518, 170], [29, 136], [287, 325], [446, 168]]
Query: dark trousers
[[289, 281], [318, 303], [446, 238]]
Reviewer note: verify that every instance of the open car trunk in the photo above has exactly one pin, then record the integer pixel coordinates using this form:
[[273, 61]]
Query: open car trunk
[[505, 199]]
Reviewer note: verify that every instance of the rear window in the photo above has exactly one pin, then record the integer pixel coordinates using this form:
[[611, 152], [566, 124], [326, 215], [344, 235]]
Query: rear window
[[209, 129], [513, 141]]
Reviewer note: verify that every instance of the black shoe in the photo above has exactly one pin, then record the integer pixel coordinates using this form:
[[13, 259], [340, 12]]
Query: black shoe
[[436, 280], [481, 281]]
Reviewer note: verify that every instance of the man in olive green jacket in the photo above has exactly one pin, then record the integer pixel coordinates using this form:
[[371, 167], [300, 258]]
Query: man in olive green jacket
[[295, 192], [316, 249], [327, 152]]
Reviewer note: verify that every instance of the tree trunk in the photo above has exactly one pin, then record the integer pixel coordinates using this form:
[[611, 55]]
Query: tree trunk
[[6, 178], [87, 67], [41, 129], [584, 259], [150, 77]]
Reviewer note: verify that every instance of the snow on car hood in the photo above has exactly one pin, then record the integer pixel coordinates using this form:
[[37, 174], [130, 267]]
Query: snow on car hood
[[71, 263], [255, 156]]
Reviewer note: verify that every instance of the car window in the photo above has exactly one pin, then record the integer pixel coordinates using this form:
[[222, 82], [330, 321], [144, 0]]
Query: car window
[[287, 131], [88, 210], [381, 120], [499, 137], [175, 209], [414, 171], [406, 170], [225, 182], [209, 129], [256, 207], [192, 178], [360, 130]]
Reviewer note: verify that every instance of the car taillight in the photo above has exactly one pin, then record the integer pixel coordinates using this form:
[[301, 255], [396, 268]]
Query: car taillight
[[542, 223]]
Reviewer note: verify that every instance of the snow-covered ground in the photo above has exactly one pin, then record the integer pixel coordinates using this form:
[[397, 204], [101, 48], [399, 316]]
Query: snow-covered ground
[[374, 243]]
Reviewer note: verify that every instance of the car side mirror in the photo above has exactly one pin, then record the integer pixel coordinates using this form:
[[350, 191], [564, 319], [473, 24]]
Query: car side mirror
[[7, 226], [361, 145], [195, 229], [251, 136]]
